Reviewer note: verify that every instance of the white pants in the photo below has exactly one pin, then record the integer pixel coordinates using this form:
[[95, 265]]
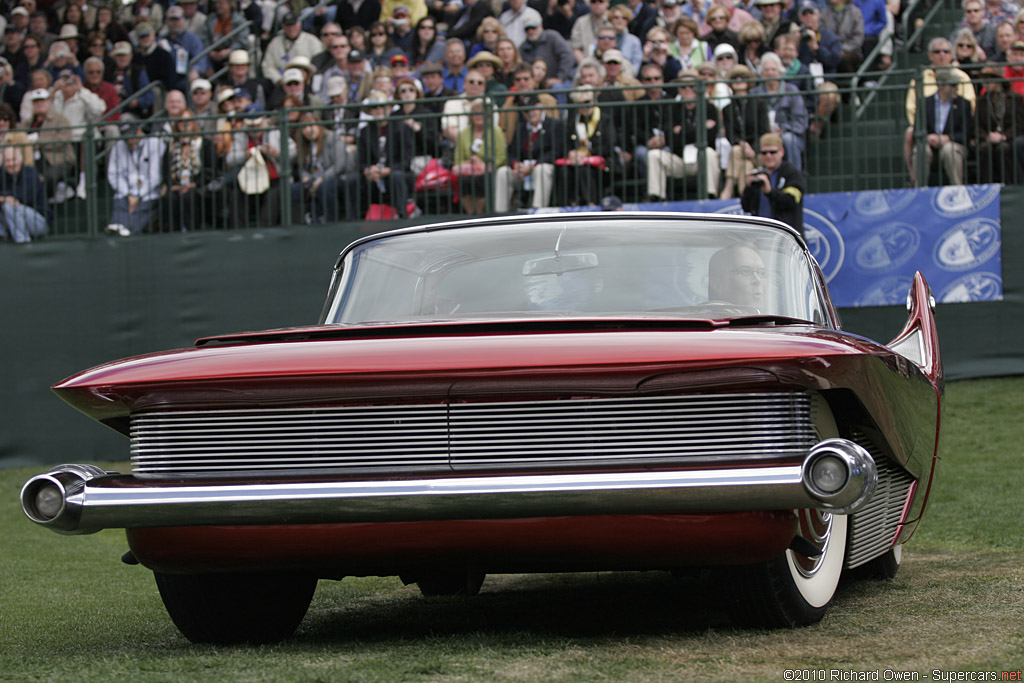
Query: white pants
[[508, 181], [662, 164]]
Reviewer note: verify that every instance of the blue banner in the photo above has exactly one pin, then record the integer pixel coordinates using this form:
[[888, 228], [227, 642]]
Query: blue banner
[[869, 244]]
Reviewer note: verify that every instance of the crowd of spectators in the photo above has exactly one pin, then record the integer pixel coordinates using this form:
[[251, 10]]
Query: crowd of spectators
[[381, 96]]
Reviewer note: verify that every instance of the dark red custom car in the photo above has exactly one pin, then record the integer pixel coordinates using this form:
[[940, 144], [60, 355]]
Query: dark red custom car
[[548, 393]]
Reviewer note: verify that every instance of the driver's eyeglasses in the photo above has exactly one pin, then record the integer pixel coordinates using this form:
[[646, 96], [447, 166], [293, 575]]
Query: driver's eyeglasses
[[751, 273]]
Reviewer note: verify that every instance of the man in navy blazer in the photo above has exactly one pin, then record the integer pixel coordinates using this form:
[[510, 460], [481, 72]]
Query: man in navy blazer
[[949, 126]]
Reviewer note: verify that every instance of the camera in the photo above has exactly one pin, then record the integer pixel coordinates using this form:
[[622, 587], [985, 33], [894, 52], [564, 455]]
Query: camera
[[806, 34], [756, 172]]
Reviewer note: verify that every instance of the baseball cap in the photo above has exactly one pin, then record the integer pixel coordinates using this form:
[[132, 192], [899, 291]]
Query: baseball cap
[[336, 85], [121, 47], [39, 94], [144, 29], [808, 6], [611, 203], [175, 13], [200, 84], [19, 10], [289, 19], [293, 76], [431, 68], [356, 56], [531, 18], [612, 55], [399, 59]]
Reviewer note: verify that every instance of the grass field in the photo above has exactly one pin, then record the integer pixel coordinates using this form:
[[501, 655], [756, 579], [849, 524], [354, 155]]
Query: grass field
[[70, 610]]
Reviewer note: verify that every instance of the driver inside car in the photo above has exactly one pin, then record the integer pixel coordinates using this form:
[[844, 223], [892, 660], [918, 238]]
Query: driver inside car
[[736, 275]]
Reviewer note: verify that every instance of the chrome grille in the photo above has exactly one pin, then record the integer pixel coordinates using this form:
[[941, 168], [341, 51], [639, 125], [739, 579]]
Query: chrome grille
[[873, 527], [576, 432]]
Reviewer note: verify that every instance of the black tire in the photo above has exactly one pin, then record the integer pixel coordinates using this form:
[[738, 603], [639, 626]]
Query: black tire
[[882, 568], [445, 582], [791, 590], [236, 608]]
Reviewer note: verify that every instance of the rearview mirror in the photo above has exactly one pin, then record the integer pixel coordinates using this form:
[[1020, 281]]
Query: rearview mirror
[[562, 263]]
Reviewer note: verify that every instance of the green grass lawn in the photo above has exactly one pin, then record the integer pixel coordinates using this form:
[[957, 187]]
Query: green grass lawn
[[70, 610]]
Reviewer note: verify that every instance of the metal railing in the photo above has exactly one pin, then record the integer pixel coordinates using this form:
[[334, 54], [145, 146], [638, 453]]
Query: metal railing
[[852, 154]]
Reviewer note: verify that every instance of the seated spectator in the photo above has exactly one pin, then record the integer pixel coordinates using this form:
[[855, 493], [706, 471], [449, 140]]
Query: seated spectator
[[466, 23], [977, 23], [426, 46], [455, 118], [480, 149], [54, 154], [425, 127], [293, 85], [794, 71], [96, 46], [129, 77], [184, 172], [400, 69], [618, 74], [259, 208], [11, 92], [537, 142], [583, 36], [381, 50], [203, 106], [561, 16], [524, 83], [510, 58], [488, 65], [1000, 130], [551, 47], [752, 45], [61, 58], [135, 173], [487, 36], [719, 31], [158, 62], [10, 134], [846, 21], [588, 167], [745, 120], [25, 213], [676, 153], [322, 160], [940, 54], [512, 19], [455, 67], [39, 28], [183, 46], [627, 43], [968, 56], [434, 88], [648, 120], [948, 129], [785, 106], [221, 23], [1005, 35], [383, 157], [690, 51]]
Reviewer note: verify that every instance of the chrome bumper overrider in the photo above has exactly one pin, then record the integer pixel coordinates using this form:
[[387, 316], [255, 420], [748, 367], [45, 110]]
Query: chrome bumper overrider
[[76, 499]]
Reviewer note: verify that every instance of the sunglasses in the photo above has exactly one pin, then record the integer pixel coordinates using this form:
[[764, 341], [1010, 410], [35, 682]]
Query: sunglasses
[[427, 26], [330, 33], [651, 79], [606, 37], [964, 45], [475, 81], [769, 151], [721, 57], [406, 89], [941, 51]]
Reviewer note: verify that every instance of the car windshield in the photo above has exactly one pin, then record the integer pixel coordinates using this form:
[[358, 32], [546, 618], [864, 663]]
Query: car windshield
[[672, 267]]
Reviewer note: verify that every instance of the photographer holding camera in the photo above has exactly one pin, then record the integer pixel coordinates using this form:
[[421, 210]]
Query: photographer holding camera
[[776, 189]]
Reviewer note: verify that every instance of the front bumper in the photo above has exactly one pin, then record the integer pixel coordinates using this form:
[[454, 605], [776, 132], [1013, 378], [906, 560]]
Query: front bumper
[[836, 474]]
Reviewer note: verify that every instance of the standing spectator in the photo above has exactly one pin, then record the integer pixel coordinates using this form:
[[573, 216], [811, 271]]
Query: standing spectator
[[322, 158], [54, 153], [158, 62], [948, 128], [129, 77], [80, 106], [480, 149], [426, 129], [676, 153], [776, 189], [183, 46], [590, 159], [524, 83], [184, 173], [1000, 130], [584, 30], [221, 23], [454, 64], [25, 212], [537, 142], [384, 151], [425, 45], [848, 24], [11, 92], [786, 108], [745, 120], [648, 120], [259, 208], [290, 43], [135, 173]]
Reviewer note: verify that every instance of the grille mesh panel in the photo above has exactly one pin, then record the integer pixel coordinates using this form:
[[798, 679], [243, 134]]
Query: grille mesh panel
[[873, 527], [579, 432]]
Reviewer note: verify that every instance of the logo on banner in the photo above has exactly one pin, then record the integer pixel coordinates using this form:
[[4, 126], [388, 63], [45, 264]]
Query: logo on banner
[[888, 291], [973, 287], [956, 201], [967, 245], [887, 247], [882, 203], [825, 243]]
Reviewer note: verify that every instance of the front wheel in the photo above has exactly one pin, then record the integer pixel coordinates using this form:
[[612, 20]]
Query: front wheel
[[236, 608], [793, 589]]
